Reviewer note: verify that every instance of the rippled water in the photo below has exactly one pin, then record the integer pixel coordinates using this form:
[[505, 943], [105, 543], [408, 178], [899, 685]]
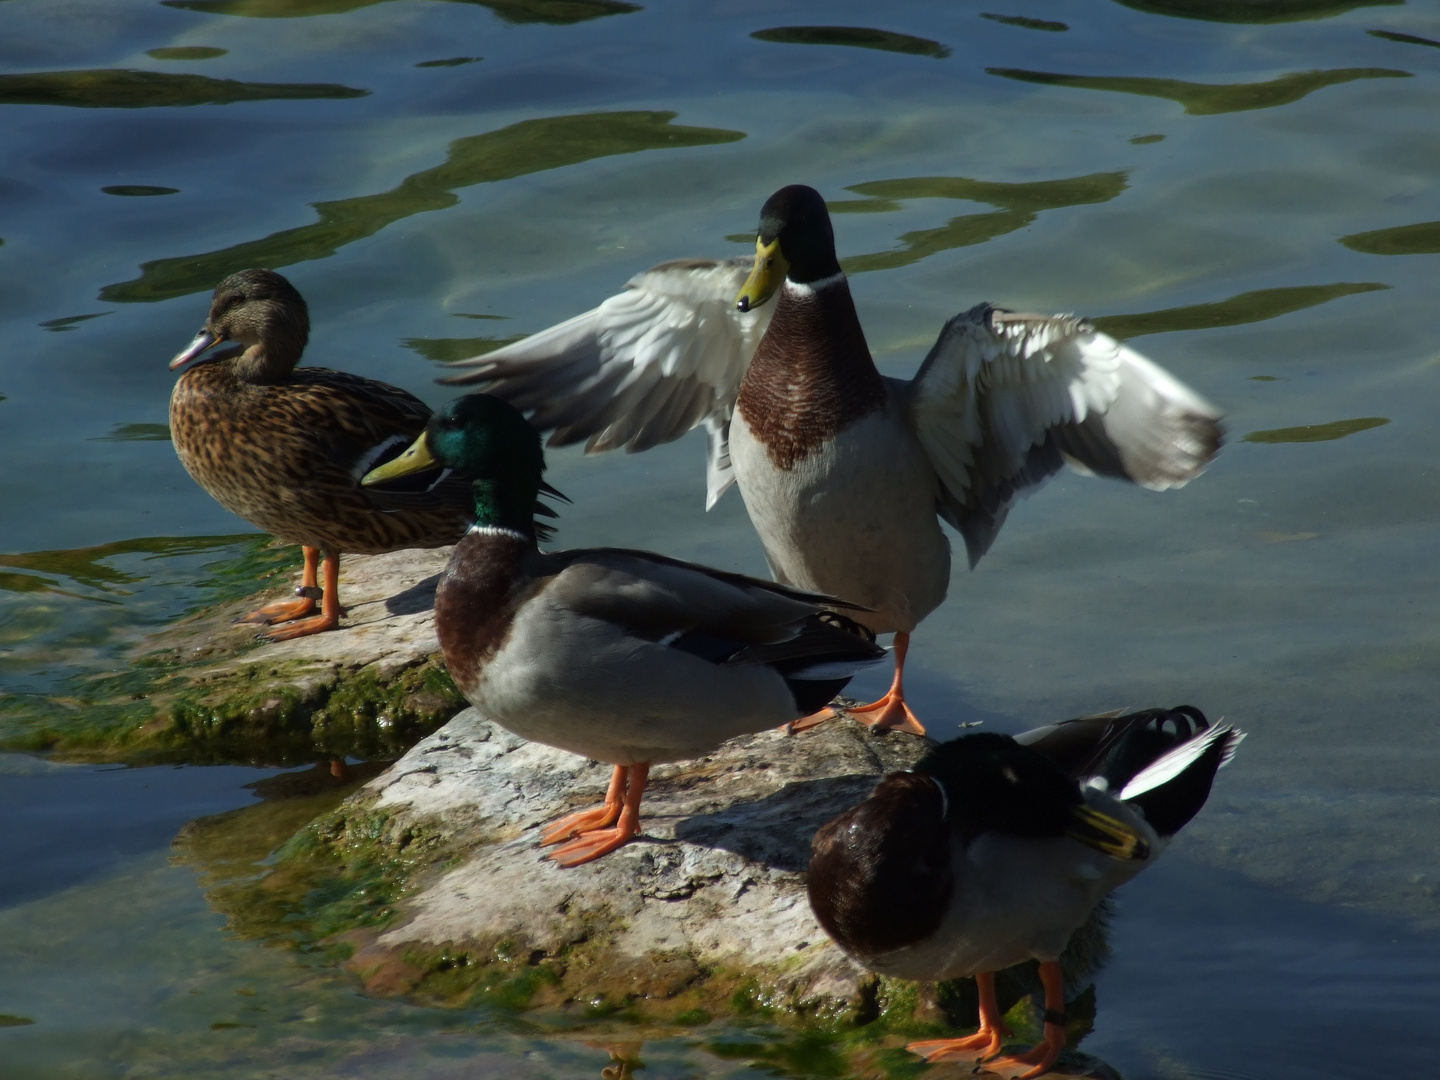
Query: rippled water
[[1244, 187]]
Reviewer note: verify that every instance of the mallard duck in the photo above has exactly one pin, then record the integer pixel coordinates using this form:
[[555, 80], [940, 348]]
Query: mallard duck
[[993, 851], [621, 656], [285, 448], [843, 470]]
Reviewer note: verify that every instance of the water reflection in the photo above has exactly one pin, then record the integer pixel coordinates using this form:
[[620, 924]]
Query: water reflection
[[1247, 307], [1317, 432], [121, 89], [454, 61], [551, 12], [1208, 99], [1020, 204], [527, 147], [1420, 239], [1252, 11], [859, 37]]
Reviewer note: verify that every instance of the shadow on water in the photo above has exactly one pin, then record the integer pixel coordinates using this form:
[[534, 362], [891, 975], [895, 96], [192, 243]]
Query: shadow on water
[[858, 37], [1208, 99], [1252, 11], [516, 12], [1248, 307], [527, 147], [1019, 205], [1419, 239], [122, 89]]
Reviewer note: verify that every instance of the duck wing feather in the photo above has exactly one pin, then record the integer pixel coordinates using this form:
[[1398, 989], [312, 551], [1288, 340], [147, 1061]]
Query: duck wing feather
[[643, 368], [1003, 400]]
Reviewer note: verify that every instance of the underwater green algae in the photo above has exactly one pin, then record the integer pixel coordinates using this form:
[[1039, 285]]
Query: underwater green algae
[[857, 37], [1419, 239], [123, 89], [186, 52], [137, 433], [1309, 433], [451, 350], [1404, 39], [1252, 11], [1026, 23], [530, 146], [139, 190], [1019, 205], [1247, 307], [515, 12], [1208, 99]]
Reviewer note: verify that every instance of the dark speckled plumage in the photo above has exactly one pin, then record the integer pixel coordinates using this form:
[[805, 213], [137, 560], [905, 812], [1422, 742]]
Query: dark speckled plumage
[[285, 448]]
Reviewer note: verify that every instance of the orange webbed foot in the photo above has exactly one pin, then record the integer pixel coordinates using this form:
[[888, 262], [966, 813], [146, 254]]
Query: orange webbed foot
[[1031, 1064], [580, 823], [591, 845], [279, 612], [889, 713], [983, 1044], [815, 719], [304, 628]]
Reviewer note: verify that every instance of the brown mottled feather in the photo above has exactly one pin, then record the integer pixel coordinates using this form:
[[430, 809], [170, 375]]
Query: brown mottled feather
[[812, 375], [284, 448]]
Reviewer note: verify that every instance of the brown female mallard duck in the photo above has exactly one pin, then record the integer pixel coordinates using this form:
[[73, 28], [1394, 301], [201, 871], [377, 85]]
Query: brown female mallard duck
[[285, 449], [845, 471]]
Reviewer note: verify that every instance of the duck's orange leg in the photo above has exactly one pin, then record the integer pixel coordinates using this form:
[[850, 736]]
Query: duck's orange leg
[[288, 610], [597, 817], [983, 1044], [891, 711], [1037, 1062], [591, 845], [329, 617]]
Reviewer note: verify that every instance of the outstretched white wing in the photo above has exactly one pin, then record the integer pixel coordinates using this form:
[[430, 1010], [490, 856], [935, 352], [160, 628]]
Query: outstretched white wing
[[1003, 400], [641, 369]]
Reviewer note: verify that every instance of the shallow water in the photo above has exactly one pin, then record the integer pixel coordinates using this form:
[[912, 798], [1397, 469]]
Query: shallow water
[[1252, 201]]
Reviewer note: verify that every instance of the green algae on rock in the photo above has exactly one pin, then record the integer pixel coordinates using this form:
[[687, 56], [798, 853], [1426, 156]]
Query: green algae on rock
[[203, 691], [427, 883]]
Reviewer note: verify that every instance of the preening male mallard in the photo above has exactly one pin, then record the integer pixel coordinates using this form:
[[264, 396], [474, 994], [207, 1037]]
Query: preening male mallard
[[993, 851], [621, 656], [842, 470], [285, 448]]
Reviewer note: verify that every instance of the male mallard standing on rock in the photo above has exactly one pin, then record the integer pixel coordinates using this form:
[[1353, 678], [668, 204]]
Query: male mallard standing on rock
[[843, 470], [621, 656], [993, 851], [285, 449]]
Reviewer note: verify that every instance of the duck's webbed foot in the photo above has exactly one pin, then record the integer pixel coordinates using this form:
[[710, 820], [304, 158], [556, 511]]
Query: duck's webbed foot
[[597, 835]]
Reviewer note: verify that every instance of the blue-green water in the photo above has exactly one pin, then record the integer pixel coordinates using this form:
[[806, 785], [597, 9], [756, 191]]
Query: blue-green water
[[1261, 175]]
